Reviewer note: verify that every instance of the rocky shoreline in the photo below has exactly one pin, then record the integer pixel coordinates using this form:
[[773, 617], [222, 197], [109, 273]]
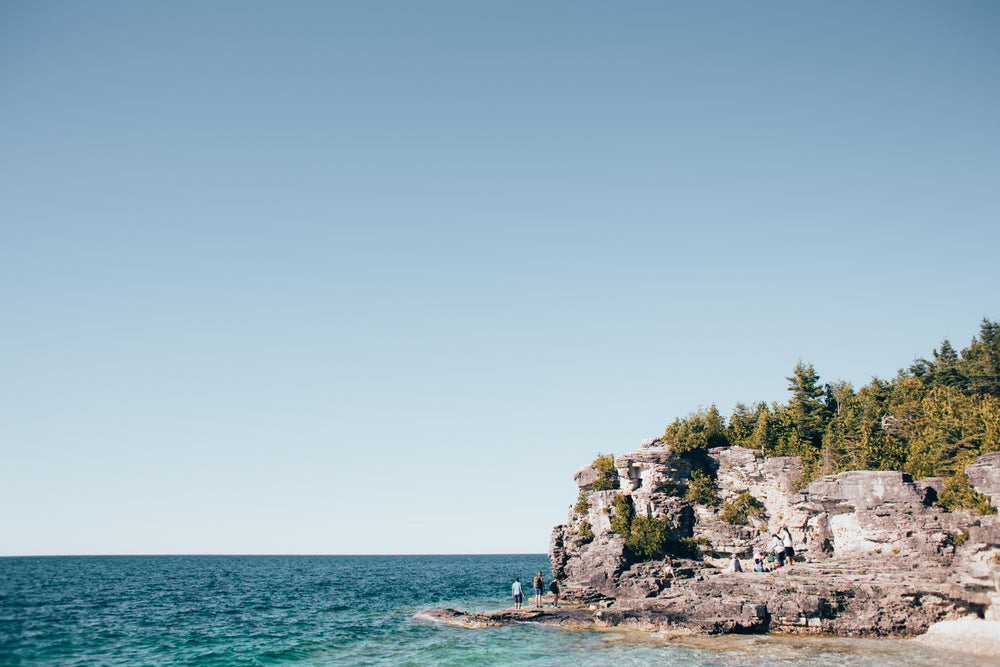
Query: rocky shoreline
[[804, 599], [876, 556]]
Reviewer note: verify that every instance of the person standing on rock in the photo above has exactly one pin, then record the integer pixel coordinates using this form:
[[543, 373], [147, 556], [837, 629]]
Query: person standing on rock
[[786, 540], [778, 547], [554, 589], [734, 565], [517, 593], [539, 585], [670, 568]]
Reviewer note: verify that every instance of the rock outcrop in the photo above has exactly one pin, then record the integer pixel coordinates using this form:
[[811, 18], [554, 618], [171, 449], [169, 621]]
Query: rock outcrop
[[808, 598], [876, 555], [866, 513], [984, 475]]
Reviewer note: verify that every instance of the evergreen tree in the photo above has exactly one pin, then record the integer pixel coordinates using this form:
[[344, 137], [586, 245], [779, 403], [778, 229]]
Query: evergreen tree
[[806, 408], [686, 435], [715, 428], [741, 426], [982, 361], [946, 371], [882, 451], [932, 419], [842, 437], [764, 436], [699, 430]]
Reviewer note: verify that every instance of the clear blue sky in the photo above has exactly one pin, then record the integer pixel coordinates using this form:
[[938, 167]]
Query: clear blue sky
[[378, 277]]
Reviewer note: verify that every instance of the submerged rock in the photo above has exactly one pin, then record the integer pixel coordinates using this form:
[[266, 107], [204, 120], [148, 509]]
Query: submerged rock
[[969, 635]]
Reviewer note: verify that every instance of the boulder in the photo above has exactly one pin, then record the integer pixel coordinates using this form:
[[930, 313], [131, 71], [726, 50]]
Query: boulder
[[585, 477]]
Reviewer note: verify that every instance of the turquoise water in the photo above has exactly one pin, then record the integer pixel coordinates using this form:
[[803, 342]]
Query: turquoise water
[[337, 610]]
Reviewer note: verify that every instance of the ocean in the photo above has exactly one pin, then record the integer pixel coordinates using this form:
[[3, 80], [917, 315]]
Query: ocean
[[340, 610]]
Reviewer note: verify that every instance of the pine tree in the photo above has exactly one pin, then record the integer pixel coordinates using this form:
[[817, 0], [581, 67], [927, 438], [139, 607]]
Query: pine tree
[[982, 361], [741, 426], [842, 437], [764, 438], [806, 407], [946, 371], [715, 428]]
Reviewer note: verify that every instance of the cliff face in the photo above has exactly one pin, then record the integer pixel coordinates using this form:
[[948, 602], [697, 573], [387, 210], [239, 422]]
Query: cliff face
[[875, 553]]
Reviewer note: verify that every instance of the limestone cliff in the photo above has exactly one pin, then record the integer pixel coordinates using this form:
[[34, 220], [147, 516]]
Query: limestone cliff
[[875, 553]]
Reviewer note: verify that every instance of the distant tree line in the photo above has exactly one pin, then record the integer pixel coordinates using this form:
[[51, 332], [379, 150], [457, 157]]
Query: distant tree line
[[932, 419]]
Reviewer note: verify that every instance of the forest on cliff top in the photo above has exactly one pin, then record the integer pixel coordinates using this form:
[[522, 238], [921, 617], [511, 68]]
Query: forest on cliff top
[[933, 419]]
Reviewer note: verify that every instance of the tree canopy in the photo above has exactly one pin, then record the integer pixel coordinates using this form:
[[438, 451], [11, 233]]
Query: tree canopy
[[932, 419]]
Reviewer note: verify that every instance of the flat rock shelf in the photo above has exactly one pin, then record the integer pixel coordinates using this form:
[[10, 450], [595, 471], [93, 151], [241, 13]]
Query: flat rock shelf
[[876, 555]]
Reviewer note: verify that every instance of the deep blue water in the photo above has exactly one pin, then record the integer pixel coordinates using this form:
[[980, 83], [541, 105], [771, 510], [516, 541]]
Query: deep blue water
[[337, 610]]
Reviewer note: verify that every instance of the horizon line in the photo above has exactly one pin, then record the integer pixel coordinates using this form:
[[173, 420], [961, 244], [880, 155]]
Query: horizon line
[[261, 555]]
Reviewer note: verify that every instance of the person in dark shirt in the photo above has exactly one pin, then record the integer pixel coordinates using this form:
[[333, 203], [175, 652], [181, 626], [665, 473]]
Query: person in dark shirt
[[539, 585]]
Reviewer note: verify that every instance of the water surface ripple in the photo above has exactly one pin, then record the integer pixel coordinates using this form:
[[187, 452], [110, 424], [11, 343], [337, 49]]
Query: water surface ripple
[[339, 610]]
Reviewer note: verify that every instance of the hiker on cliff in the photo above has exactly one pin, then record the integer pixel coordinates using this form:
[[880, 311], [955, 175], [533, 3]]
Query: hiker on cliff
[[758, 562], [778, 547], [539, 585], [554, 589], [517, 593], [786, 540], [670, 569], [734, 565]]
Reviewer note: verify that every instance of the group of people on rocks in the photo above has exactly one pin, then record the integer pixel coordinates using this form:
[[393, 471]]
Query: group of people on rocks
[[539, 585], [782, 549]]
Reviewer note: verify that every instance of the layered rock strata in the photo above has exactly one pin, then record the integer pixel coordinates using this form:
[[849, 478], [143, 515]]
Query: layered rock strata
[[875, 554], [805, 599]]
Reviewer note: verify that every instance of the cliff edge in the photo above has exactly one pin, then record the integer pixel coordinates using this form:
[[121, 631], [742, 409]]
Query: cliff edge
[[875, 554]]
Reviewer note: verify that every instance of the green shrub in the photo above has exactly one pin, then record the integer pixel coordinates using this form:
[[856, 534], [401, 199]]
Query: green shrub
[[648, 538], [621, 522], [698, 431], [959, 494], [741, 509], [582, 503], [961, 538], [701, 490], [607, 476], [585, 530], [688, 547], [672, 490]]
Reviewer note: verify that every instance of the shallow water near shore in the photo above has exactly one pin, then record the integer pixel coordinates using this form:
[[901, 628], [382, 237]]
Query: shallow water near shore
[[341, 610]]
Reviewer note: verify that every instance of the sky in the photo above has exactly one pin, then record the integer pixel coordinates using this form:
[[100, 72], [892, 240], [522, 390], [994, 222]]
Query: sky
[[379, 277]]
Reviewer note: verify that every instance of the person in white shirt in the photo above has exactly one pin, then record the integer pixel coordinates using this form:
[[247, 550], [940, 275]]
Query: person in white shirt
[[786, 541], [734, 565], [778, 547]]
